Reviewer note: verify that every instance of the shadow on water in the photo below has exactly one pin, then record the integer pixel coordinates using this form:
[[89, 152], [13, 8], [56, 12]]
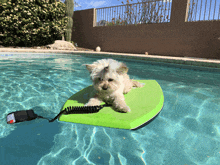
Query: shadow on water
[[143, 125], [28, 142]]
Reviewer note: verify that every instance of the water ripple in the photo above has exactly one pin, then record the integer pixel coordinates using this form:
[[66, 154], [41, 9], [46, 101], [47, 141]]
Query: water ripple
[[187, 131]]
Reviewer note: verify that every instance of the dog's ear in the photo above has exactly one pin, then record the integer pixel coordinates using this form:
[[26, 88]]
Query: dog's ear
[[90, 67], [123, 69]]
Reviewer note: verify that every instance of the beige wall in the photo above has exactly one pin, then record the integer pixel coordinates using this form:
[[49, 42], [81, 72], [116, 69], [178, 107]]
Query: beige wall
[[176, 38]]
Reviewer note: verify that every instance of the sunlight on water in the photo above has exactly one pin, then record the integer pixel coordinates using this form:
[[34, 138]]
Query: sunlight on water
[[187, 131]]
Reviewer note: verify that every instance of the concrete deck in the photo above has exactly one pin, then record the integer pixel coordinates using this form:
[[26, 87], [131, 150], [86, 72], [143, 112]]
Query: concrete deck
[[212, 63]]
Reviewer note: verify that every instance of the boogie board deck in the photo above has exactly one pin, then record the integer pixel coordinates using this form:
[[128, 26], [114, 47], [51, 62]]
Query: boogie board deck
[[145, 103]]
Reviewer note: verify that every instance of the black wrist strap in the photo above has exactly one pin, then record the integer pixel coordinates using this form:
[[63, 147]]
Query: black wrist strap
[[27, 115]]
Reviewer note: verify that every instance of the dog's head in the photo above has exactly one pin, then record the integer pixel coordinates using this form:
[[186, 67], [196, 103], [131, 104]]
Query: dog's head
[[107, 74]]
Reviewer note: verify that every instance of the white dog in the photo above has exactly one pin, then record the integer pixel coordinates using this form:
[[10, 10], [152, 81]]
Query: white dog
[[110, 81]]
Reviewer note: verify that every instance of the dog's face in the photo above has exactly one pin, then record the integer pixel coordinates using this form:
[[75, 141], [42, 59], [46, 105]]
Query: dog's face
[[107, 81], [107, 75]]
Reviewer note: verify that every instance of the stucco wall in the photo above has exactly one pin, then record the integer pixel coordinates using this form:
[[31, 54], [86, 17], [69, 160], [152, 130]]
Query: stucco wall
[[176, 38]]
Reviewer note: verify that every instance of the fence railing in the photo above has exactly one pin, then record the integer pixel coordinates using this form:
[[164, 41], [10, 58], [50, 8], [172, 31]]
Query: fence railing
[[152, 11], [204, 10]]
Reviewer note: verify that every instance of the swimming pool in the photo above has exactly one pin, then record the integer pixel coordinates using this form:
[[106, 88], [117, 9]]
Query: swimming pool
[[187, 131]]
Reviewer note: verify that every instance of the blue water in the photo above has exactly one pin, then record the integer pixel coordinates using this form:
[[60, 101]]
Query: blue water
[[186, 132]]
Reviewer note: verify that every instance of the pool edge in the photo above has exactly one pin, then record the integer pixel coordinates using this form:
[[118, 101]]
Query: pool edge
[[213, 63]]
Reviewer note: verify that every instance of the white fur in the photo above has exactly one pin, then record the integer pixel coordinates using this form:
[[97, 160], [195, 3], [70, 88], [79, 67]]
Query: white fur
[[110, 81]]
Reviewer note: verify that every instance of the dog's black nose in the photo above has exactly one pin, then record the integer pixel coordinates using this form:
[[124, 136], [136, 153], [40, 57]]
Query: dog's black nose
[[104, 88]]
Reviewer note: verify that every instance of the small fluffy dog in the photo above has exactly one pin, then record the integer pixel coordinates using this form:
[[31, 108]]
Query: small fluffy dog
[[110, 81]]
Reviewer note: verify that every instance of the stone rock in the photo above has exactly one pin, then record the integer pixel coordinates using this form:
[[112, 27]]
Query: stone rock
[[61, 45]]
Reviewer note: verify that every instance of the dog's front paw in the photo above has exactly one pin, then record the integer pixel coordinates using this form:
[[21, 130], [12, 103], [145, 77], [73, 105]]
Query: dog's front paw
[[124, 109], [93, 102], [87, 104]]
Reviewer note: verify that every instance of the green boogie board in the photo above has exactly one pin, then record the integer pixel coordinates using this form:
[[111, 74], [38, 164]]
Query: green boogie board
[[145, 103]]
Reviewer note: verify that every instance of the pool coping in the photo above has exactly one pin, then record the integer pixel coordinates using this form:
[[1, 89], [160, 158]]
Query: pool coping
[[201, 62]]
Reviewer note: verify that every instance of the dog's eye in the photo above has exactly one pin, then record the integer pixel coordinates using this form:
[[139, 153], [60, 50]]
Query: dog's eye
[[110, 79], [100, 79]]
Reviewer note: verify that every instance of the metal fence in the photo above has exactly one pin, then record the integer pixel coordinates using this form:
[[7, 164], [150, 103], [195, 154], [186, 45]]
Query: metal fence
[[204, 10], [152, 11]]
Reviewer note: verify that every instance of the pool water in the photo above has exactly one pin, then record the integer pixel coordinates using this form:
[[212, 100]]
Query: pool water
[[186, 132]]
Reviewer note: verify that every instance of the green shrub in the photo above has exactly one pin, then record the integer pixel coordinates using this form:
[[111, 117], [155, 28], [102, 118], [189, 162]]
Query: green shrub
[[3, 1], [31, 22]]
